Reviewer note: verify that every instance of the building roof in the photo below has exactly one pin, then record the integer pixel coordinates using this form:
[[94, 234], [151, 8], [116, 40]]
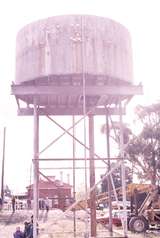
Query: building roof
[[51, 184]]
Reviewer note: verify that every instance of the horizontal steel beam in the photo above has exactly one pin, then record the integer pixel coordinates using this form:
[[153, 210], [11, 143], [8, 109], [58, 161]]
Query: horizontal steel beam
[[68, 111], [76, 90], [70, 168], [76, 159]]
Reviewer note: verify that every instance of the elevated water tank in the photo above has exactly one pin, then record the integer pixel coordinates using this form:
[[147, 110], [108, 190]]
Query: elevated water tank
[[63, 49]]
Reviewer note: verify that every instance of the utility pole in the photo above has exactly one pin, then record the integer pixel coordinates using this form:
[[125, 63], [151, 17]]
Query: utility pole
[[3, 159]]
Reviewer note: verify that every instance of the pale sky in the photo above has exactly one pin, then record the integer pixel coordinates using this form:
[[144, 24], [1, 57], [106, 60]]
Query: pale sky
[[142, 19]]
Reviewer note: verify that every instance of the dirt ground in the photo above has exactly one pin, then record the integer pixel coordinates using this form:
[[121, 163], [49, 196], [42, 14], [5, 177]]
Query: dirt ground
[[56, 224]]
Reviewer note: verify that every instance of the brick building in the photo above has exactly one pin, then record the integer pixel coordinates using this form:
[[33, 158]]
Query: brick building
[[58, 192]]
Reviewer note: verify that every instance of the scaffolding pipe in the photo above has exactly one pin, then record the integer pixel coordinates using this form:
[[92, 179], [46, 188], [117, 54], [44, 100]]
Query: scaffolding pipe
[[74, 175], [3, 160], [35, 168], [123, 171], [83, 50]]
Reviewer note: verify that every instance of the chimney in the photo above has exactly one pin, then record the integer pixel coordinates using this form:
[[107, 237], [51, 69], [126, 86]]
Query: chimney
[[68, 178], [61, 177]]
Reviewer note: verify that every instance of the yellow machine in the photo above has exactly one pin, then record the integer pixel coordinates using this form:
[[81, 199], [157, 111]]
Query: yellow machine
[[145, 205], [145, 210]]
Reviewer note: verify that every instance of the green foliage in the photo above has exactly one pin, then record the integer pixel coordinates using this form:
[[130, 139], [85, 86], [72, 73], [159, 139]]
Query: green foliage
[[116, 176], [143, 150], [114, 131]]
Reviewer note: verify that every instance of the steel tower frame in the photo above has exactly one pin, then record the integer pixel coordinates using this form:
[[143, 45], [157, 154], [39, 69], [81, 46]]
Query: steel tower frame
[[101, 100]]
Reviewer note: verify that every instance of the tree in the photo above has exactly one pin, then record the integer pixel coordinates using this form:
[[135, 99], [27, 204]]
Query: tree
[[143, 150], [115, 131], [116, 176]]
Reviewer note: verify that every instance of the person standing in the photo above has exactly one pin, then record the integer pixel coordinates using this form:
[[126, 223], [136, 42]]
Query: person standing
[[13, 203], [28, 203], [1, 204], [47, 204], [28, 229]]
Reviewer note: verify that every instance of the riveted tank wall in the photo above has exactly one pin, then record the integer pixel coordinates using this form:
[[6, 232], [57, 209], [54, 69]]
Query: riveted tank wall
[[65, 47]]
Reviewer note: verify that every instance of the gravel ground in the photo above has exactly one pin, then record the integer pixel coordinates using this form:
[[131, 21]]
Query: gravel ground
[[56, 224]]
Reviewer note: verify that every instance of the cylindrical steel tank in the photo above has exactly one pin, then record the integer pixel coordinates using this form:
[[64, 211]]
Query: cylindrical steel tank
[[65, 48]]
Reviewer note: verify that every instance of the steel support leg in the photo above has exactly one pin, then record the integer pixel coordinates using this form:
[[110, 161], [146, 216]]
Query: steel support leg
[[109, 179], [74, 175], [92, 176]]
